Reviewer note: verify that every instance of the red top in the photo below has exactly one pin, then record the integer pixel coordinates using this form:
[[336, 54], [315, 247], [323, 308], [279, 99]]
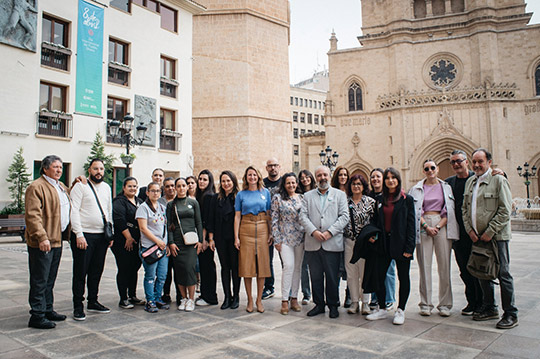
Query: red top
[[388, 209]]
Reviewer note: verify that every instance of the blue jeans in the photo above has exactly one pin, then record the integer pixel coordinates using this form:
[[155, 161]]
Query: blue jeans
[[390, 285], [306, 288], [154, 277]]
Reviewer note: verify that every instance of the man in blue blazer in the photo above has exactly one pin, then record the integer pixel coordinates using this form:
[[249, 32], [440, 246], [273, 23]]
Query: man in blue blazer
[[324, 215]]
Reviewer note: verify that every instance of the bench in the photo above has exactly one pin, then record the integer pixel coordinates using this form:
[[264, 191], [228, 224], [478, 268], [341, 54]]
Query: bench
[[9, 226]]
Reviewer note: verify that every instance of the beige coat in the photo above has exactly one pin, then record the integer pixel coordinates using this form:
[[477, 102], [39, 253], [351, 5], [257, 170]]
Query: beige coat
[[42, 214]]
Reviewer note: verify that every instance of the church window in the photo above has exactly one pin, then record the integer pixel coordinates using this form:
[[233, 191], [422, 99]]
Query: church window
[[419, 9], [355, 97], [537, 79], [442, 73], [438, 7]]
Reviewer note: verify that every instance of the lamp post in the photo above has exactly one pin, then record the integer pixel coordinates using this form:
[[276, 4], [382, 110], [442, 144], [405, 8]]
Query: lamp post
[[328, 159], [123, 131], [527, 175]]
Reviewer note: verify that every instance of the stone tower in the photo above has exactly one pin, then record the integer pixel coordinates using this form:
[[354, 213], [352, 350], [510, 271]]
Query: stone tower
[[241, 85]]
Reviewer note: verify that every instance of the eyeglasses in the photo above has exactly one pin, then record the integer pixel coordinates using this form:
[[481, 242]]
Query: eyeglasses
[[273, 165], [356, 184], [155, 191], [458, 161], [433, 168]]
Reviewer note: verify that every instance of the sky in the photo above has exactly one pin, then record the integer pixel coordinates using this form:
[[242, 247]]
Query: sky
[[312, 22]]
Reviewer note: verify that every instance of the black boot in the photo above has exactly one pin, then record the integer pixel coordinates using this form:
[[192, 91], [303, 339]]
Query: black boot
[[235, 302], [226, 303]]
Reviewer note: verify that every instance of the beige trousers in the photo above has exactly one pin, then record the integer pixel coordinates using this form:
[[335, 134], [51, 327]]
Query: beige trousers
[[355, 274], [424, 253]]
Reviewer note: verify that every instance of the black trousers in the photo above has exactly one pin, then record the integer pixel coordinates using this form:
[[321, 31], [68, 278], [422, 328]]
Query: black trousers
[[228, 258], [128, 264], [88, 263], [403, 268], [324, 272], [169, 280], [269, 281], [207, 271], [473, 291], [43, 268]]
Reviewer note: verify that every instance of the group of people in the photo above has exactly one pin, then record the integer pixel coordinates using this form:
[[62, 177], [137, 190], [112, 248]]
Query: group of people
[[324, 227]]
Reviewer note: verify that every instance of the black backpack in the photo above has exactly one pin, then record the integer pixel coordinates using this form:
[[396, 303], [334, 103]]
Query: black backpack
[[484, 260]]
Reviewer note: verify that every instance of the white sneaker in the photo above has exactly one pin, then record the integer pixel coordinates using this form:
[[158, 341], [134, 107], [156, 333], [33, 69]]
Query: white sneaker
[[399, 317], [365, 309], [182, 305], [190, 305], [377, 314], [425, 311], [201, 302], [444, 312]]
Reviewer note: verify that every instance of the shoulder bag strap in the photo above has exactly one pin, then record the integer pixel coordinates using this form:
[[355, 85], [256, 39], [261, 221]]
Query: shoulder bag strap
[[352, 221], [99, 204], [178, 218]]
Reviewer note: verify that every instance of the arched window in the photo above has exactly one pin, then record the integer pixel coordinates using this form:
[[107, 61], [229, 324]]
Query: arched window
[[457, 5], [537, 79], [355, 97], [437, 7], [419, 9]]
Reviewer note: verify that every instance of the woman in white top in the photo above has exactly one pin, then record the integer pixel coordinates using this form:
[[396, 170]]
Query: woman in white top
[[153, 223]]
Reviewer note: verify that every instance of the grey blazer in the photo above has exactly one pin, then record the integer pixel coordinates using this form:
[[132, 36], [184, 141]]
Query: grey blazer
[[333, 218]]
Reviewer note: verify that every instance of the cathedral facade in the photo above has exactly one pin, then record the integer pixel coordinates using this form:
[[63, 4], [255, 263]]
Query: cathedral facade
[[432, 76]]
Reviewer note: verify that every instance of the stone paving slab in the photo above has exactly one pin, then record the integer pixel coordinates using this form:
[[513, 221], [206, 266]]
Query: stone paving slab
[[209, 332]]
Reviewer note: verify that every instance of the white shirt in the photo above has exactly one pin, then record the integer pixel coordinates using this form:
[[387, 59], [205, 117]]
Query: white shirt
[[85, 213], [479, 180], [65, 206]]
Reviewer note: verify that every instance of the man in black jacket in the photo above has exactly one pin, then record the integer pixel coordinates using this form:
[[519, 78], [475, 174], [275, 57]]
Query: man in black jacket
[[462, 248]]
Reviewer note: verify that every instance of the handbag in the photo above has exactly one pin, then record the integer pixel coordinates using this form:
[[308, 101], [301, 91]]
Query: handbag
[[484, 260], [152, 254], [108, 230], [190, 238]]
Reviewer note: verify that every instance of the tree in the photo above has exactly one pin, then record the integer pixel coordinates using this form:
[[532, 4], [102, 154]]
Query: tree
[[19, 178], [98, 151]]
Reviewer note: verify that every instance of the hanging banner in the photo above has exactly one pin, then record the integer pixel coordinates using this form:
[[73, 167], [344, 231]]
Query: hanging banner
[[89, 59]]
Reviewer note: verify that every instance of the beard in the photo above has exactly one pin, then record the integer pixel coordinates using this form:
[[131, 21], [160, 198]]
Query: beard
[[323, 185], [95, 179]]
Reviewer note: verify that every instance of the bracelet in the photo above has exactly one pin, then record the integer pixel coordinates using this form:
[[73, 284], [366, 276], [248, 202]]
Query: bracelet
[[424, 225]]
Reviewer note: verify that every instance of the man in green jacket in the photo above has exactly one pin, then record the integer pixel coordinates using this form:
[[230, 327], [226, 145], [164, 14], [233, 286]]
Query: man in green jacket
[[486, 215]]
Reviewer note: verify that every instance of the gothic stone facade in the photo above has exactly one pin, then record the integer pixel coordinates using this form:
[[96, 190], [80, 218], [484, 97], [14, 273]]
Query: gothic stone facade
[[433, 76]]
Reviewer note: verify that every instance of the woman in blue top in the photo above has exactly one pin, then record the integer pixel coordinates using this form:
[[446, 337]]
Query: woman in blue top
[[251, 234]]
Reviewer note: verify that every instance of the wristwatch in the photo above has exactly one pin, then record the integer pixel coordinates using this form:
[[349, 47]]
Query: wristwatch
[[438, 227]]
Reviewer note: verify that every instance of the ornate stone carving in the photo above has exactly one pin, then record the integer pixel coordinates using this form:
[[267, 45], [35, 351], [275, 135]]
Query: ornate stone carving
[[18, 22], [408, 99], [145, 113]]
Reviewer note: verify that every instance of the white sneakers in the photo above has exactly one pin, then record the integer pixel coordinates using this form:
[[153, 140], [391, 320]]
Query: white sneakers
[[354, 308], [399, 317], [201, 302], [182, 305], [365, 309], [377, 314], [190, 305], [187, 305], [425, 311], [444, 312]]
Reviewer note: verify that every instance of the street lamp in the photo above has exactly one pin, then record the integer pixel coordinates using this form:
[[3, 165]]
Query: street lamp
[[527, 175], [328, 159], [122, 130]]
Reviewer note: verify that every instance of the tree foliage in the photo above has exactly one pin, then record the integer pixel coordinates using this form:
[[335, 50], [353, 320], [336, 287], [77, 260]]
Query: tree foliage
[[19, 177], [98, 151]]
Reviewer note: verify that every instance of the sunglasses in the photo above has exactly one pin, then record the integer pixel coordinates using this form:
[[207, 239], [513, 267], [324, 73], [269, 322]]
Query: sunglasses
[[429, 168], [453, 162]]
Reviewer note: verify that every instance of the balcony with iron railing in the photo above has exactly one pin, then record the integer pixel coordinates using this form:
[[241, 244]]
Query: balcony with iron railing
[[119, 73], [54, 123], [168, 140], [55, 55], [167, 86]]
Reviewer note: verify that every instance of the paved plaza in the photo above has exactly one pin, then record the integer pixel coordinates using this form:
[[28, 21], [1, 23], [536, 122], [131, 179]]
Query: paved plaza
[[209, 332]]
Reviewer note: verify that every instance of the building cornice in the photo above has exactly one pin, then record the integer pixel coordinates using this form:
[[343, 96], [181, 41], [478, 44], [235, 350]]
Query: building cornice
[[250, 12], [189, 5]]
